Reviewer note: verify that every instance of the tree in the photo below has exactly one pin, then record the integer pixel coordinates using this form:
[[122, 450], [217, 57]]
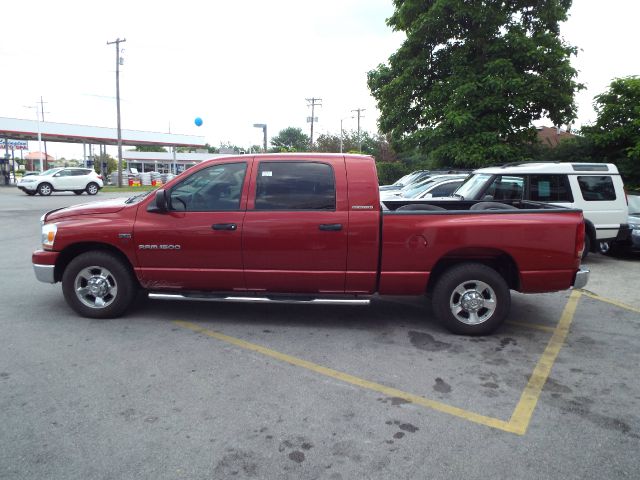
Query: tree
[[149, 148], [472, 75], [616, 132], [290, 139]]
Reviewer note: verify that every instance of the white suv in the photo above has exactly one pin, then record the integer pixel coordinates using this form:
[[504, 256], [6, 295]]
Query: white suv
[[74, 179], [595, 188]]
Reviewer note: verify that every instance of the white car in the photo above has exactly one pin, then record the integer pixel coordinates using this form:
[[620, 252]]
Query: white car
[[73, 179]]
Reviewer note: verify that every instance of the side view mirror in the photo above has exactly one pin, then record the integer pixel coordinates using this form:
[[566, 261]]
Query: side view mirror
[[160, 203]]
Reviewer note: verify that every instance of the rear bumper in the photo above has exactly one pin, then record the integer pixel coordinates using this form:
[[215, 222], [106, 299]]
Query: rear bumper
[[44, 265], [581, 278]]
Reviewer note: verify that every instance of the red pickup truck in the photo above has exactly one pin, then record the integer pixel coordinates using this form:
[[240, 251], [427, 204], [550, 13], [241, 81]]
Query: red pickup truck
[[308, 225]]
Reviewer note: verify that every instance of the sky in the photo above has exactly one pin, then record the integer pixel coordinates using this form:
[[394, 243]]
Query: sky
[[237, 63]]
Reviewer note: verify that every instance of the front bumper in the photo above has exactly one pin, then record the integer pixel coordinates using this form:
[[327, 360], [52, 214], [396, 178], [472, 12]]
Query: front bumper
[[45, 273], [44, 265], [581, 278]]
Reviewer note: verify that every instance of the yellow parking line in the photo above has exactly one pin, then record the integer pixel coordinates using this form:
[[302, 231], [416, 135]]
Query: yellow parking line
[[345, 377], [528, 400], [608, 300], [535, 326]]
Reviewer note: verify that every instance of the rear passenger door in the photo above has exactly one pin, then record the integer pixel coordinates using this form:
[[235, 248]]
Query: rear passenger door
[[295, 229]]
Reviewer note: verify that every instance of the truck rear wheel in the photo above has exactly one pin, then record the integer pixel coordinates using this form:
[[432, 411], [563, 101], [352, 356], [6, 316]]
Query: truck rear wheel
[[471, 299], [98, 284]]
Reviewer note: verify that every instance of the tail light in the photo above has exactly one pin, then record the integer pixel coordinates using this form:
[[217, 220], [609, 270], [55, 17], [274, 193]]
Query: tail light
[[580, 236], [100, 177]]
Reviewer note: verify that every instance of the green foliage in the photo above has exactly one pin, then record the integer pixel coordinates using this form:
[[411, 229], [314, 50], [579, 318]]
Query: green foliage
[[389, 172], [149, 148], [471, 76], [290, 139], [616, 133]]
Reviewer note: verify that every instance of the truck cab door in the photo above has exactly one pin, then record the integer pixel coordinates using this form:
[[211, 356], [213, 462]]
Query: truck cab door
[[196, 244], [295, 230]]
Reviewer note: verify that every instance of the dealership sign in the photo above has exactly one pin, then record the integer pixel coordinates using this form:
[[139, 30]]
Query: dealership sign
[[14, 144]]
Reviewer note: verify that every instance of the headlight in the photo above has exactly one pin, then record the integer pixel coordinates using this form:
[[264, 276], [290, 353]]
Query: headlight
[[49, 231]]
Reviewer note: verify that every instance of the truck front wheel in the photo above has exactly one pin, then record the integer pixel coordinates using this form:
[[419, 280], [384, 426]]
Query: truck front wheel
[[471, 299], [98, 284]]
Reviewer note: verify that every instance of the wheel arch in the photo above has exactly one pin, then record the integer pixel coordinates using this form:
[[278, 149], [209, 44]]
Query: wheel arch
[[590, 230], [498, 260], [72, 251]]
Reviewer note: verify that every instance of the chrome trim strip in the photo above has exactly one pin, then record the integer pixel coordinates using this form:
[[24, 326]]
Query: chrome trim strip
[[230, 298]]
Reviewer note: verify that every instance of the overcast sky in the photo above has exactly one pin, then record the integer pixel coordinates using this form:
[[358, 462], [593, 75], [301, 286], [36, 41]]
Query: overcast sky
[[238, 63]]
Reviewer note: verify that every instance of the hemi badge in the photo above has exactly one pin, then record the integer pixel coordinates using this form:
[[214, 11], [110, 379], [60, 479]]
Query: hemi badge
[[362, 207], [124, 235]]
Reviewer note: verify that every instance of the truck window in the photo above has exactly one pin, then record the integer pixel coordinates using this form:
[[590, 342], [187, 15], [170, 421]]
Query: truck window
[[549, 188], [217, 188], [597, 188], [295, 186]]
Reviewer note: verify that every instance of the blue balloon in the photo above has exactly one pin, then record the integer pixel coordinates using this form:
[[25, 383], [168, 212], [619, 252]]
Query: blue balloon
[[198, 121]]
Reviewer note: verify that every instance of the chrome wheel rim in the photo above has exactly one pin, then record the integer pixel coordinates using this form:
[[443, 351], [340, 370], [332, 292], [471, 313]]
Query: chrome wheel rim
[[96, 287], [473, 302], [45, 190], [93, 189], [605, 247]]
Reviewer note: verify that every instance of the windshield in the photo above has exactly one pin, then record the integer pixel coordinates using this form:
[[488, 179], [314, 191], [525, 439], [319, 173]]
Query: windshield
[[472, 186]]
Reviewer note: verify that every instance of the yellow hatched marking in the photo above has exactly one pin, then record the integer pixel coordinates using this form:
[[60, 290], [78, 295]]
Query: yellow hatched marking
[[535, 326], [521, 416], [528, 400], [610, 301]]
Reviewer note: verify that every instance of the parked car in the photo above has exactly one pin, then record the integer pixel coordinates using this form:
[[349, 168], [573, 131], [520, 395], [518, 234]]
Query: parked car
[[74, 179], [595, 188], [632, 243], [433, 186], [406, 180]]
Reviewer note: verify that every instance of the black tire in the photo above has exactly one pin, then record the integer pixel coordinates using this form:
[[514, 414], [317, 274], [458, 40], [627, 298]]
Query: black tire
[[481, 289], [98, 284], [587, 246], [78, 192], [92, 188], [604, 247], [45, 189]]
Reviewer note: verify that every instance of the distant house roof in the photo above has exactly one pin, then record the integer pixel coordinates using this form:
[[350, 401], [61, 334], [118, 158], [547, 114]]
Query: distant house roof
[[552, 136], [38, 156]]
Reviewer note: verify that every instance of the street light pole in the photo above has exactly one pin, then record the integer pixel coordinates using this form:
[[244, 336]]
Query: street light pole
[[341, 135], [39, 135], [263, 126], [117, 43]]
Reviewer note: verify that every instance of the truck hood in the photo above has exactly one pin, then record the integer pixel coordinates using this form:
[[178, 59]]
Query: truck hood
[[94, 208]]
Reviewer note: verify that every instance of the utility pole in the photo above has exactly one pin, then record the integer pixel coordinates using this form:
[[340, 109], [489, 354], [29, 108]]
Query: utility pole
[[117, 42], [46, 155], [359, 138], [312, 102]]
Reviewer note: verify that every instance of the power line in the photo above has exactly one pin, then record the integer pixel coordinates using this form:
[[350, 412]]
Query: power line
[[311, 102]]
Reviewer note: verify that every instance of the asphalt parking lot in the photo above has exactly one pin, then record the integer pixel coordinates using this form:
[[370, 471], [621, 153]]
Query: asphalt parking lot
[[251, 390]]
